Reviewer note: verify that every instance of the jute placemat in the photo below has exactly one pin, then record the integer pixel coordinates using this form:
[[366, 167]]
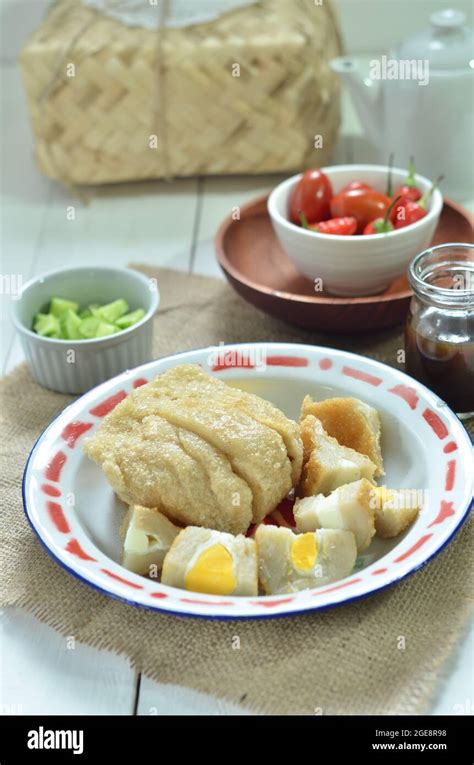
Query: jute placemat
[[377, 656]]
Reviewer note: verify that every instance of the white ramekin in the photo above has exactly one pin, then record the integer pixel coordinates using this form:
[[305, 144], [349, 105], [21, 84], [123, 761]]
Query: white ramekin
[[75, 366], [353, 265]]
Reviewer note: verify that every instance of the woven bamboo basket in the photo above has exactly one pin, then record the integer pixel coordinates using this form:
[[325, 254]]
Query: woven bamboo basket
[[112, 103]]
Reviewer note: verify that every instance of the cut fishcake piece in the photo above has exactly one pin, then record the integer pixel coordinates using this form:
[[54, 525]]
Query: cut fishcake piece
[[351, 422], [148, 535], [290, 562], [395, 510], [208, 561], [190, 382], [327, 464], [348, 507], [151, 463]]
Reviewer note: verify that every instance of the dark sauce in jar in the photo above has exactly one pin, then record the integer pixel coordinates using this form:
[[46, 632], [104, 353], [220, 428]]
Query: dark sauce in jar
[[439, 335], [446, 367]]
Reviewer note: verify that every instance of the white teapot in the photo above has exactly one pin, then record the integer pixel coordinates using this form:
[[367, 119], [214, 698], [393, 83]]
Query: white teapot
[[420, 101]]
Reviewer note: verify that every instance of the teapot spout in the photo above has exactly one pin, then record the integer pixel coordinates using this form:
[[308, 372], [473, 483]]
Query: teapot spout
[[366, 95]]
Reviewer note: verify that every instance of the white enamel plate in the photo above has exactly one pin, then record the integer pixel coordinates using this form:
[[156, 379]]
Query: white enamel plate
[[77, 516]]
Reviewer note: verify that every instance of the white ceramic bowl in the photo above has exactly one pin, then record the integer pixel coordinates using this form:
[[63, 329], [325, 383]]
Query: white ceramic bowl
[[353, 265], [75, 366]]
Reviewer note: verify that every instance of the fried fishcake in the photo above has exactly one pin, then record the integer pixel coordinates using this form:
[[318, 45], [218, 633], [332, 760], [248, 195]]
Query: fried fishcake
[[351, 422], [348, 507], [256, 453], [326, 463], [150, 462], [395, 510], [148, 535], [208, 561], [290, 562], [188, 381]]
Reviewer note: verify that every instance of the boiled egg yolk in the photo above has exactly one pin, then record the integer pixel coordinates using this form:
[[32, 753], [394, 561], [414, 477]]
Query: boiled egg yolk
[[213, 572], [304, 552]]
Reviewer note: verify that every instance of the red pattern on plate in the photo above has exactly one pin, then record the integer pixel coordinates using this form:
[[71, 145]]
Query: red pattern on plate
[[108, 404], [357, 374], [140, 381], [52, 471], [158, 594], [232, 360], [407, 394], [337, 587], [287, 361], [325, 364], [436, 423], [379, 571], [73, 431], [413, 548], [121, 579], [271, 603], [445, 511], [451, 447], [51, 491], [57, 516], [75, 548], [450, 475]]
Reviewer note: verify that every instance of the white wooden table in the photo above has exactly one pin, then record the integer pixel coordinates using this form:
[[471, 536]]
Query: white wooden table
[[165, 224]]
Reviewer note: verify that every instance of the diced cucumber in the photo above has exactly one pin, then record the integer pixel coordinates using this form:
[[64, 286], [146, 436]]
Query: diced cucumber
[[105, 328], [130, 318], [112, 311], [88, 327], [70, 325], [66, 321], [47, 325], [95, 310], [58, 306]]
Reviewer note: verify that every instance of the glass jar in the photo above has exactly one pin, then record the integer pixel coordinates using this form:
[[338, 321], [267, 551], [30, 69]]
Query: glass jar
[[439, 335]]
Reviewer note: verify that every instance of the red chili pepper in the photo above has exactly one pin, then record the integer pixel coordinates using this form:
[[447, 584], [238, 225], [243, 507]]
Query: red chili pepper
[[382, 225], [410, 212], [363, 204], [312, 194], [355, 185], [409, 191], [340, 226]]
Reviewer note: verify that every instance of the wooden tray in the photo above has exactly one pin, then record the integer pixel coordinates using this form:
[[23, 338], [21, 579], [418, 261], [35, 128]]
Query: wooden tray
[[256, 266]]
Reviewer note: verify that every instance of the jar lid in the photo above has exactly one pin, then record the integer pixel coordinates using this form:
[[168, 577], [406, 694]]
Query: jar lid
[[448, 44]]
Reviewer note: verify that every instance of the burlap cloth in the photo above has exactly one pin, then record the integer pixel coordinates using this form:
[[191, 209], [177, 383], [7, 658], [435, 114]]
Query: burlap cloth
[[345, 660]]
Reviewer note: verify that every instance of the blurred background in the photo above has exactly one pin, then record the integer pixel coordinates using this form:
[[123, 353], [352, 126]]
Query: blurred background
[[366, 25]]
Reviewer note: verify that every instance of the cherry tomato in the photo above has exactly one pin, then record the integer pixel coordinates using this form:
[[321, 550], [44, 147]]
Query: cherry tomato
[[311, 195], [363, 204], [355, 185], [341, 226]]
